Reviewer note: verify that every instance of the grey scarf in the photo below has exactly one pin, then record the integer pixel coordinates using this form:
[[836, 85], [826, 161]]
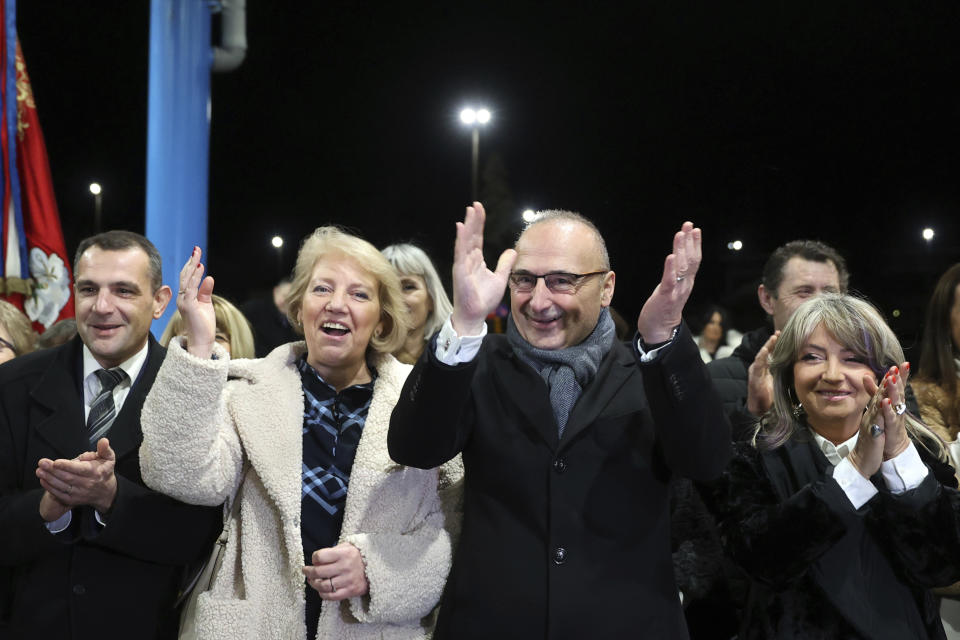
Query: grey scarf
[[566, 371]]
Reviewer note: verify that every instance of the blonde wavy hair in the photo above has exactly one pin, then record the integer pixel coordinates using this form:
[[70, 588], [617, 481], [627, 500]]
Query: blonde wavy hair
[[22, 335], [332, 241]]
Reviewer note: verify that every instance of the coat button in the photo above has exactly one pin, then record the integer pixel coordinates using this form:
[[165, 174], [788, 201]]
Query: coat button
[[79, 589], [560, 555], [559, 465]]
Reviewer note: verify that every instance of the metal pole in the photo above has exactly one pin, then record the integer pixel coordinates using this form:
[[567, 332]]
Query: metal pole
[[97, 211], [474, 164], [178, 134]]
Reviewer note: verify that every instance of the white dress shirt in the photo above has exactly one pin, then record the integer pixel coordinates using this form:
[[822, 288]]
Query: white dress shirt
[[91, 387], [902, 473]]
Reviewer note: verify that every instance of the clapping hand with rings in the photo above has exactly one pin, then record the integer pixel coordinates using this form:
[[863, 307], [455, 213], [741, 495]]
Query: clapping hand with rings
[[337, 573], [883, 433]]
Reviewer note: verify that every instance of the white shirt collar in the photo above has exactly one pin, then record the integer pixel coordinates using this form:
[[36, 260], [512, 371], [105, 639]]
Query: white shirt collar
[[132, 366], [835, 453]]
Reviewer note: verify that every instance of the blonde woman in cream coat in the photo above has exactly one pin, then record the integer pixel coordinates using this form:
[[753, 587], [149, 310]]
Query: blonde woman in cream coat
[[215, 428]]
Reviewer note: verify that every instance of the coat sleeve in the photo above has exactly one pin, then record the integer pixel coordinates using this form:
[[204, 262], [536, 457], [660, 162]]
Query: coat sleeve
[[191, 450], [691, 426], [775, 542], [433, 417], [921, 527], [148, 525], [23, 534], [407, 570]]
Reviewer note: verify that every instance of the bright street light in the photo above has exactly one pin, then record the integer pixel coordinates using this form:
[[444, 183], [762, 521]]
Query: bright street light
[[97, 192], [529, 215], [276, 241], [928, 234], [475, 118], [736, 245]]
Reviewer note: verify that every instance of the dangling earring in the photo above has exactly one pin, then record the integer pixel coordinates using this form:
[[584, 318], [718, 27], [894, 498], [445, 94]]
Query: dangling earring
[[798, 411]]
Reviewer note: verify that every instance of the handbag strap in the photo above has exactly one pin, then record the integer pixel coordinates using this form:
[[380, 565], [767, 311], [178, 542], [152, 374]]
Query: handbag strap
[[229, 513]]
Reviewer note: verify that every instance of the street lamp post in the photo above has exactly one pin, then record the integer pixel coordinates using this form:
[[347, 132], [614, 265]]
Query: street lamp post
[[475, 118], [277, 243], [97, 203]]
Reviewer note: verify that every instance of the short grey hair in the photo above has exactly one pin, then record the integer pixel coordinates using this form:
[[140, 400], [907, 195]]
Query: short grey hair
[[552, 215], [410, 259]]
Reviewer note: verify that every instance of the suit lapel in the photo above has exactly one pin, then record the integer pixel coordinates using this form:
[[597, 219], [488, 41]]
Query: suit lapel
[[58, 396], [125, 435], [615, 369], [275, 446], [528, 392]]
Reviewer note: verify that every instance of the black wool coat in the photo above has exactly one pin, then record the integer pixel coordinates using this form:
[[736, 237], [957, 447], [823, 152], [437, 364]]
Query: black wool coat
[[88, 582], [563, 538]]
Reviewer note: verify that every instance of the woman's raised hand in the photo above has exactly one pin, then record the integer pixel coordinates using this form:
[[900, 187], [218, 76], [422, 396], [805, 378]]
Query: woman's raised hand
[[195, 304]]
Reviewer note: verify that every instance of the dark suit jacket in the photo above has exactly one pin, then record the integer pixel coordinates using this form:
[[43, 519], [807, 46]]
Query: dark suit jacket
[[824, 571], [117, 581], [563, 538]]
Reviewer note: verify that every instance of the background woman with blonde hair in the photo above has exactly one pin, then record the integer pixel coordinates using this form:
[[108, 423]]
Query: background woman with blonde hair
[[233, 329], [843, 510], [17, 336]]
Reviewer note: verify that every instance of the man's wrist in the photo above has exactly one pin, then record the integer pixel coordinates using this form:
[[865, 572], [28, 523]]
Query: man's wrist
[[467, 326], [106, 504]]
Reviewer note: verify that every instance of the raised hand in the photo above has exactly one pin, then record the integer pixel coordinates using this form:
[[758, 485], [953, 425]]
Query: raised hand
[[759, 379], [476, 290], [337, 573], [195, 304], [663, 310]]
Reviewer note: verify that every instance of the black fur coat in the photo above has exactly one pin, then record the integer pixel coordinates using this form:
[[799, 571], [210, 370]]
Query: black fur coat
[[821, 569]]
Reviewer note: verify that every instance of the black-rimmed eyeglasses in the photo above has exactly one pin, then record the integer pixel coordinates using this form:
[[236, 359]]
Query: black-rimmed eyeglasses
[[6, 345], [557, 282]]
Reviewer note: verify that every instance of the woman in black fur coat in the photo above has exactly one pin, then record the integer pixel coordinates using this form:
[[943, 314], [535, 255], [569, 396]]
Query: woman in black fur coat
[[843, 510]]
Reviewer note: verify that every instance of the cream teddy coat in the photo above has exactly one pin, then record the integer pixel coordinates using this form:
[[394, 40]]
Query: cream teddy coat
[[204, 420]]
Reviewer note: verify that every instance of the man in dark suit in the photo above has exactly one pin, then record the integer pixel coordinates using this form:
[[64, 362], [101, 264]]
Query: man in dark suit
[[569, 438], [86, 550]]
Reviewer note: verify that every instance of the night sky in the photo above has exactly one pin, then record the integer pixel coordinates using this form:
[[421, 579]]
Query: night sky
[[763, 121]]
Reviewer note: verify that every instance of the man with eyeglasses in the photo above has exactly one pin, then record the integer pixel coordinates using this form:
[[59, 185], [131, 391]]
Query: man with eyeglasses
[[569, 438]]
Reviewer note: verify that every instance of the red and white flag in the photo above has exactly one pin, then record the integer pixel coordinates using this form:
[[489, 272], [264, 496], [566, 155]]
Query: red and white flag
[[36, 269]]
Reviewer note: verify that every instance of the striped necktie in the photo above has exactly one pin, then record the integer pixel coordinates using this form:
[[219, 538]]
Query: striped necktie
[[102, 410]]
